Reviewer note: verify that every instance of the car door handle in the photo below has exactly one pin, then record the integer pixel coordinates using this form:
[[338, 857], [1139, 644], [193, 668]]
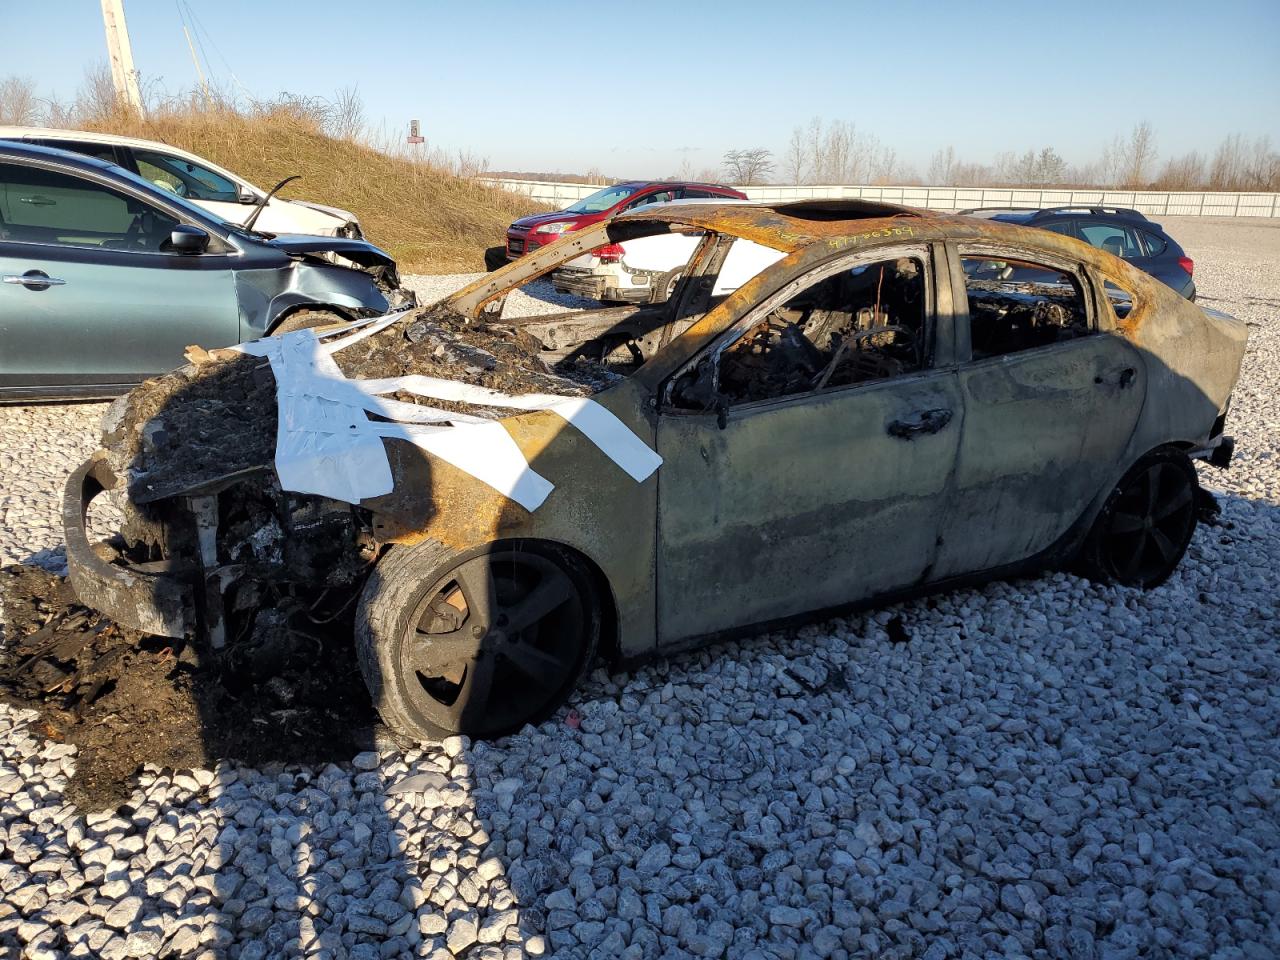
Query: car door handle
[[34, 278], [38, 201], [930, 421]]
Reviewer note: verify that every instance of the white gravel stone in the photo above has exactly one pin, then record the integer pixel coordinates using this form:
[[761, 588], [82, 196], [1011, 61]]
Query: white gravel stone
[[1048, 768]]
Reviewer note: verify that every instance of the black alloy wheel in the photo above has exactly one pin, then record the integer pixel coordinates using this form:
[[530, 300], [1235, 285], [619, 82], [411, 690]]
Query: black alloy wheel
[[1145, 527], [496, 641]]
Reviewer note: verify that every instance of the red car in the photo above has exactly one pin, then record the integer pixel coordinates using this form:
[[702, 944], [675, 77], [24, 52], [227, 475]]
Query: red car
[[534, 231]]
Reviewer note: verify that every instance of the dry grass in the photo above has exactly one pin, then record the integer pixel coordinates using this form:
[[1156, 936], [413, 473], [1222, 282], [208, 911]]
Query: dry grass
[[428, 218]]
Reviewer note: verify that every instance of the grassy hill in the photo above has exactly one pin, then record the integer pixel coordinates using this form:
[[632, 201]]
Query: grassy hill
[[429, 219]]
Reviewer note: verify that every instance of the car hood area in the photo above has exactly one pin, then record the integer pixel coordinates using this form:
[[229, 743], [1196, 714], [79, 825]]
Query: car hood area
[[357, 251], [561, 216], [337, 213], [217, 416]]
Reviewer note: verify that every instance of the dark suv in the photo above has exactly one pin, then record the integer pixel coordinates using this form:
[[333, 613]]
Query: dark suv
[[1126, 233], [529, 233]]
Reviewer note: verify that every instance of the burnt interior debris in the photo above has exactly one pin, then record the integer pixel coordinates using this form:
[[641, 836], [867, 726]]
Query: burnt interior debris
[[1017, 306], [861, 324]]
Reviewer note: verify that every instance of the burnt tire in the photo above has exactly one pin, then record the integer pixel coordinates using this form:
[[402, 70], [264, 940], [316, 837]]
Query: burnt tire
[[305, 319], [1146, 523], [478, 643]]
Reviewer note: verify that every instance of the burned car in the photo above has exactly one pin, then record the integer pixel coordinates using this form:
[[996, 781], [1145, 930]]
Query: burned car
[[489, 504]]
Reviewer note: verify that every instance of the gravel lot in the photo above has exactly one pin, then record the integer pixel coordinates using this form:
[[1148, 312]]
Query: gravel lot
[[1048, 768]]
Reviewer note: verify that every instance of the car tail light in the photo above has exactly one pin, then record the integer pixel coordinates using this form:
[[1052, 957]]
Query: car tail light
[[1187, 264], [609, 253]]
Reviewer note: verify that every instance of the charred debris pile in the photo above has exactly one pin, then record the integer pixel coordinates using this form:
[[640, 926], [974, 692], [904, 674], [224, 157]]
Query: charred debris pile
[[126, 698]]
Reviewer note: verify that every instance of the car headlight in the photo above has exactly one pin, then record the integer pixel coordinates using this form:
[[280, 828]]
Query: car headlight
[[554, 228]]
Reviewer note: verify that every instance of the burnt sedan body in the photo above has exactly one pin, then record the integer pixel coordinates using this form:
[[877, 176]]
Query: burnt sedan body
[[886, 409]]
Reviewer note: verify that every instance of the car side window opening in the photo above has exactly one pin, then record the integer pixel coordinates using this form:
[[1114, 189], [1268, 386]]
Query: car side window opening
[[185, 178], [1017, 305], [857, 325], [1155, 245], [50, 207], [1112, 238], [102, 151], [1121, 300]]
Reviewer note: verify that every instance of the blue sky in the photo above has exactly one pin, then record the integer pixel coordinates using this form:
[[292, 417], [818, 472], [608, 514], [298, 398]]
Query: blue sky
[[636, 89]]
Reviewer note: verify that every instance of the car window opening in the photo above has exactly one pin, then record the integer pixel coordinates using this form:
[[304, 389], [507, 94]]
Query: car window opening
[[56, 209], [858, 325], [1015, 305], [637, 281], [1121, 300]]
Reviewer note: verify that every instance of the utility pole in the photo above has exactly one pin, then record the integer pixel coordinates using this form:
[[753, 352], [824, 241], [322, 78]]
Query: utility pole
[[123, 75]]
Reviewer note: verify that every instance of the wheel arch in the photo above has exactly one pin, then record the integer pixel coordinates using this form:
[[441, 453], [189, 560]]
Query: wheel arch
[[298, 307]]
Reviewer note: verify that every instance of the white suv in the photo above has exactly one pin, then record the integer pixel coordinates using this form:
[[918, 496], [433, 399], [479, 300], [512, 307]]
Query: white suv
[[221, 192]]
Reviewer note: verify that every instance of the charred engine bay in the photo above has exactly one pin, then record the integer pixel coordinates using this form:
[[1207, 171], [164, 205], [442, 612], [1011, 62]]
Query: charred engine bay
[[216, 415]]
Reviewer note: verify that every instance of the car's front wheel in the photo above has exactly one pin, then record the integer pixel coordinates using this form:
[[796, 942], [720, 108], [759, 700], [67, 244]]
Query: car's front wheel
[[1145, 526], [305, 319], [477, 644]]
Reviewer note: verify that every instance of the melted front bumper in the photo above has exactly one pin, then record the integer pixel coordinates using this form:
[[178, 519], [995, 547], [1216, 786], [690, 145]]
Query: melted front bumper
[[157, 603]]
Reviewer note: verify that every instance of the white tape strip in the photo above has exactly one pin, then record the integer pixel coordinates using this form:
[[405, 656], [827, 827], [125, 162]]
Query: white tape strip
[[327, 445]]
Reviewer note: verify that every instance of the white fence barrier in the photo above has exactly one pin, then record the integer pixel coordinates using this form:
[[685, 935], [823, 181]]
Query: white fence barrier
[[1155, 203]]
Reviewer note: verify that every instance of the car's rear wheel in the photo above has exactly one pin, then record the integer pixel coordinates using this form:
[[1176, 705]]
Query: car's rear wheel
[[1144, 528], [305, 319], [477, 644]]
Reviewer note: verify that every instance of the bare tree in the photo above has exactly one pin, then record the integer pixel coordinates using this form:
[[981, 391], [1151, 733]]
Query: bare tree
[[797, 159], [748, 167], [96, 97], [1139, 156], [942, 167], [346, 115], [1186, 172], [1263, 169], [1038, 168], [882, 165], [1227, 171], [18, 103]]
